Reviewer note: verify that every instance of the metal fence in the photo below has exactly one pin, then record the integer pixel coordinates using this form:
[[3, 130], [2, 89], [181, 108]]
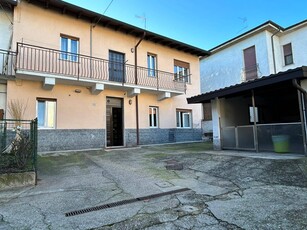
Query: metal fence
[[18, 144], [77, 66], [291, 131], [239, 137], [242, 137]]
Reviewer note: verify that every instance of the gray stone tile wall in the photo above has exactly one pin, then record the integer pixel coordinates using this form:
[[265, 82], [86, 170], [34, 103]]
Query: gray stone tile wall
[[78, 139], [160, 136], [70, 139]]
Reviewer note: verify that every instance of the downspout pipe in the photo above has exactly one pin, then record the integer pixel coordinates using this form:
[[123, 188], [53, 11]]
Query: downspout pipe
[[297, 86], [136, 57], [136, 82], [273, 50], [303, 113], [302, 90]]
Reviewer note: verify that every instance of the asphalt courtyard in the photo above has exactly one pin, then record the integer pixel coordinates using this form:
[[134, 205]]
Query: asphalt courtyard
[[181, 186]]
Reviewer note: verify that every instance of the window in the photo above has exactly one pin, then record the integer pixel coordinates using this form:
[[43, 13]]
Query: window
[[151, 64], [250, 63], [288, 57], [153, 117], [46, 113], [183, 118], [70, 47], [182, 71], [207, 111]]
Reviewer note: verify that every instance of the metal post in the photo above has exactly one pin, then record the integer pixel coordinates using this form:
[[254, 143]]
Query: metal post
[[34, 143], [91, 49], [302, 119], [255, 123], [4, 135], [236, 137]]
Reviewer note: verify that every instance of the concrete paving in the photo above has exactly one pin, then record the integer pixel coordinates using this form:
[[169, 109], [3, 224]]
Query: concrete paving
[[229, 190]]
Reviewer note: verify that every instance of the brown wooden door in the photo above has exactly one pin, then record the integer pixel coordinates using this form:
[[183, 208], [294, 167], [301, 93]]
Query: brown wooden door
[[114, 122]]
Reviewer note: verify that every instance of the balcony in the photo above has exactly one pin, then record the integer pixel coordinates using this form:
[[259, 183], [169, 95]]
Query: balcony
[[7, 62], [55, 65]]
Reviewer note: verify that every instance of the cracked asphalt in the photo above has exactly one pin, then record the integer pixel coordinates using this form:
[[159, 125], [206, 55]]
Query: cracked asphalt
[[229, 190]]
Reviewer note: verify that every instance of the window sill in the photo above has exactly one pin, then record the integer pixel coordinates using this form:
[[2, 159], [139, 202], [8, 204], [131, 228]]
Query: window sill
[[45, 128], [286, 65]]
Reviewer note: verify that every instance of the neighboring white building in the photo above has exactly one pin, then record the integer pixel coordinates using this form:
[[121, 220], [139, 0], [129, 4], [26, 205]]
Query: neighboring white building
[[256, 53], [242, 77], [6, 23]]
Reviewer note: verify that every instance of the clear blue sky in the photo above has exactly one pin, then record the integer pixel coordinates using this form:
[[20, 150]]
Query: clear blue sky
[[201, 23]]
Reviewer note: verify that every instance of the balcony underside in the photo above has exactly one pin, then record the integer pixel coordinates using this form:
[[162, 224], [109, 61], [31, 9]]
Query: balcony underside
[[96, 86]]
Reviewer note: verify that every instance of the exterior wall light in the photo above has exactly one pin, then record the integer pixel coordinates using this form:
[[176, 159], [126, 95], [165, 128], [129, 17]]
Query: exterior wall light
[[130, 102]]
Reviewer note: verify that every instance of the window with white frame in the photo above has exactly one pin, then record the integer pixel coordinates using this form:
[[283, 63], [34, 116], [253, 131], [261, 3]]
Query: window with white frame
[[182, 71], [153, 117], [69, 48], [151, 64], [184, 118], [46, 113], [288, 56]]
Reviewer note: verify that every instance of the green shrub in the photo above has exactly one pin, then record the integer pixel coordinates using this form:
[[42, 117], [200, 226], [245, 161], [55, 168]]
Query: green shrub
[[19, 156]]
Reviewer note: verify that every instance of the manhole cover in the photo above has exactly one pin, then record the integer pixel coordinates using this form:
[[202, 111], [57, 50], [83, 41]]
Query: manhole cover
[[164, 184]]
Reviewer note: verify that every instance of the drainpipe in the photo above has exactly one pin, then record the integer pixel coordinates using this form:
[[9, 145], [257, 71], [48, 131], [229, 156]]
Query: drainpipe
[[91, 48], [273, 51], [302, 106], [136, 82]]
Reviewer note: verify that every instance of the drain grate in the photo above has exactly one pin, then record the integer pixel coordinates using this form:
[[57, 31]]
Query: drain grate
[[123, 202]]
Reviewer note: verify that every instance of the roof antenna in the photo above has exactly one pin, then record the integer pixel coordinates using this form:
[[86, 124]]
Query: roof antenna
[[103, 14], [142, 18], [244, 22]]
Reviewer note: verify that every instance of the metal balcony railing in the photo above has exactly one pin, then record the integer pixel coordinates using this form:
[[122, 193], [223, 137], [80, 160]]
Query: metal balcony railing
[[44, 60], [251, 72], [7, 62]]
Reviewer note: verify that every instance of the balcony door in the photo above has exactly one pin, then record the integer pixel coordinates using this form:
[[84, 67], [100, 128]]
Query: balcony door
[[116, 66]]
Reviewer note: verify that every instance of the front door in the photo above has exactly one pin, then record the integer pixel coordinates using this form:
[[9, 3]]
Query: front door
[[114, 122], [116, 66]]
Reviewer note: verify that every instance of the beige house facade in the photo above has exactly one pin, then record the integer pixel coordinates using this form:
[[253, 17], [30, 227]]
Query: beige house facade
[[96, 82]]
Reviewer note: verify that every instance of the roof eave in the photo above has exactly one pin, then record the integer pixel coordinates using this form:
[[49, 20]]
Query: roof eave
[[99, 19], [260, 28], [297, 73]]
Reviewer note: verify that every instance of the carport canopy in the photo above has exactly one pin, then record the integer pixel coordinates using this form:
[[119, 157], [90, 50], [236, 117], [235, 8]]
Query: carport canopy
[[242, 88]]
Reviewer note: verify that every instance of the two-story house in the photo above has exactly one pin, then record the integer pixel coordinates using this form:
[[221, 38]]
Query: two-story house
[[253, 90], [93, 81]]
